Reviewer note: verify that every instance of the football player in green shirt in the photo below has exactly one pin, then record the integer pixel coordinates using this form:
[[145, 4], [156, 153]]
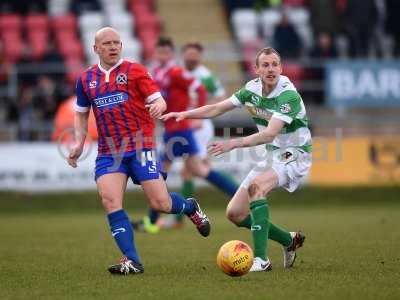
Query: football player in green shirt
[[279, 113]]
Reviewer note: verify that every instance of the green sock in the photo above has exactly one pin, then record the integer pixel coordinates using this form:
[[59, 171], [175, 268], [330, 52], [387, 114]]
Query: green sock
[[275, 233], [187, 191], [259, 227], [279, 235]]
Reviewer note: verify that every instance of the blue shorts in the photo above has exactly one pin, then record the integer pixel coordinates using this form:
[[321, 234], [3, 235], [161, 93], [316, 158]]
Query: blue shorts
[[178, 144], [139, 166]]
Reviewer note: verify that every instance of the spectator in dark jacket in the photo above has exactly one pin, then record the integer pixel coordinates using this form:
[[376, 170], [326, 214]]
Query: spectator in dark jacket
[[361, 19], [324, 16], [286, 39], [393, 23], [324, 47]]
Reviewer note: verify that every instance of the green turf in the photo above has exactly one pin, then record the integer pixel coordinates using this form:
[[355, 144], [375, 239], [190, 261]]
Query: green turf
[[57, 246]]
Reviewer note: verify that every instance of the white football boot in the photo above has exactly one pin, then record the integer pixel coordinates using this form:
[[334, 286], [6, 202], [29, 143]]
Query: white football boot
[[260, 265], [289, 253]]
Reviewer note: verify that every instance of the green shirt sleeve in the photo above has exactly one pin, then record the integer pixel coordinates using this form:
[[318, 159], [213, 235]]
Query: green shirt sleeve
[[241, 97], [289, 105], [213, 86]]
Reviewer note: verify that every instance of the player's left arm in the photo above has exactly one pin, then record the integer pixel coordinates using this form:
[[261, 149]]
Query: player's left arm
[[265, 136]]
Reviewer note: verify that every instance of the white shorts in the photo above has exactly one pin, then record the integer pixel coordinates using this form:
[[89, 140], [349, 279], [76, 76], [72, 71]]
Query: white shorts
[[291, 165], [203, 136]]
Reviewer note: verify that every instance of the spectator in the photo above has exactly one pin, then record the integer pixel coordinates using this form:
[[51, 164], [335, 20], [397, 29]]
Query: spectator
[[47, 97], [324, 47], [323, 16], [80, 6], [286, 39], [361, 19], [26, 6], [393, 23], [378, 35], [26, 116], [52, 57]]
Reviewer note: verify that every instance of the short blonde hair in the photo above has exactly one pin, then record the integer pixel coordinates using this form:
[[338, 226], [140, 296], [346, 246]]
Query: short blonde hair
[[267, 51]]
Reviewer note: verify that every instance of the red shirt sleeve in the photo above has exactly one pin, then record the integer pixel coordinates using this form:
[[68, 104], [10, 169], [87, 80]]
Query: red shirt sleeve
[[201, 95], [182, 78], [145, 84]]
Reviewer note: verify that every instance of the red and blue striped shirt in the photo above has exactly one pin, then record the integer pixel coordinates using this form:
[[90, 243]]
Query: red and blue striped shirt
[[118, 97], [176, 85]]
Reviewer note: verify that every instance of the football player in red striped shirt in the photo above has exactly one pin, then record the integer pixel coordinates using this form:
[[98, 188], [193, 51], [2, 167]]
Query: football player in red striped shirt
[[125, 101]]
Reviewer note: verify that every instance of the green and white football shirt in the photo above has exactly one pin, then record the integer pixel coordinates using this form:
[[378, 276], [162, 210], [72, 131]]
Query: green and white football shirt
[[284, 103], [209, 80]]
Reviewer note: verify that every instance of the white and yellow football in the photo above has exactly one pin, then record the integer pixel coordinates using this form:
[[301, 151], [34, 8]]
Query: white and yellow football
[[235, 258]]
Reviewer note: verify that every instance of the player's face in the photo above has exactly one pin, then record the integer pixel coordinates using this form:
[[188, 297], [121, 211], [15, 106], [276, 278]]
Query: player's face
[[108, 47], [191, 58], [269, 68], [164, 54]]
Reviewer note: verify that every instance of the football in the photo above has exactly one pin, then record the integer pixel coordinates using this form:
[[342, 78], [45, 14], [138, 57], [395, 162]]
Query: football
[[235, 258]]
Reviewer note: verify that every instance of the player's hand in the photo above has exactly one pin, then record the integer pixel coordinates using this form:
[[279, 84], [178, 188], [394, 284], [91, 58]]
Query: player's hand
[[156, 108], [74, 154], [178, 116], [219, 147]]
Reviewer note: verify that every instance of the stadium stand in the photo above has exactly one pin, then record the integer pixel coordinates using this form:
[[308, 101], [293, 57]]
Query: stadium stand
[[204, 21], [54, 38], [258, 23]]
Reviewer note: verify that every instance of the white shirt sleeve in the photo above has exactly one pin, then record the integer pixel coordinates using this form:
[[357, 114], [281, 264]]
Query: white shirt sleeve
[[282, 117], [153, 97], [81, 109], [235, 101]]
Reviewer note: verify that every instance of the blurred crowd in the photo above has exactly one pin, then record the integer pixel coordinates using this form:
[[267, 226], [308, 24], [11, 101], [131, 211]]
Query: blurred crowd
[[45, 45], [359, 28], [307, 33]]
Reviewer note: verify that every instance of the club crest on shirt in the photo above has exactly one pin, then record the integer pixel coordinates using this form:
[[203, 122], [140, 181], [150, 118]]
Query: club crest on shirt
[[121, 79], [92, 84], [285, 108]]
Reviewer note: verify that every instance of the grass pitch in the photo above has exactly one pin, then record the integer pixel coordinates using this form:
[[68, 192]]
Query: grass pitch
[[57, 246]]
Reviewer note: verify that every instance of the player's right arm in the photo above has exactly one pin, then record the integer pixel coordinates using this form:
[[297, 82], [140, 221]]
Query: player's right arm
[[149, 90], [82, 108], [203, 112]]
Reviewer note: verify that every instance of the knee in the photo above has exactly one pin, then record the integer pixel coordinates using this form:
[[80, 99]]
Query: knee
[[258, 189], [160, 203], [235, 216], [110, 202], [255, 190]]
